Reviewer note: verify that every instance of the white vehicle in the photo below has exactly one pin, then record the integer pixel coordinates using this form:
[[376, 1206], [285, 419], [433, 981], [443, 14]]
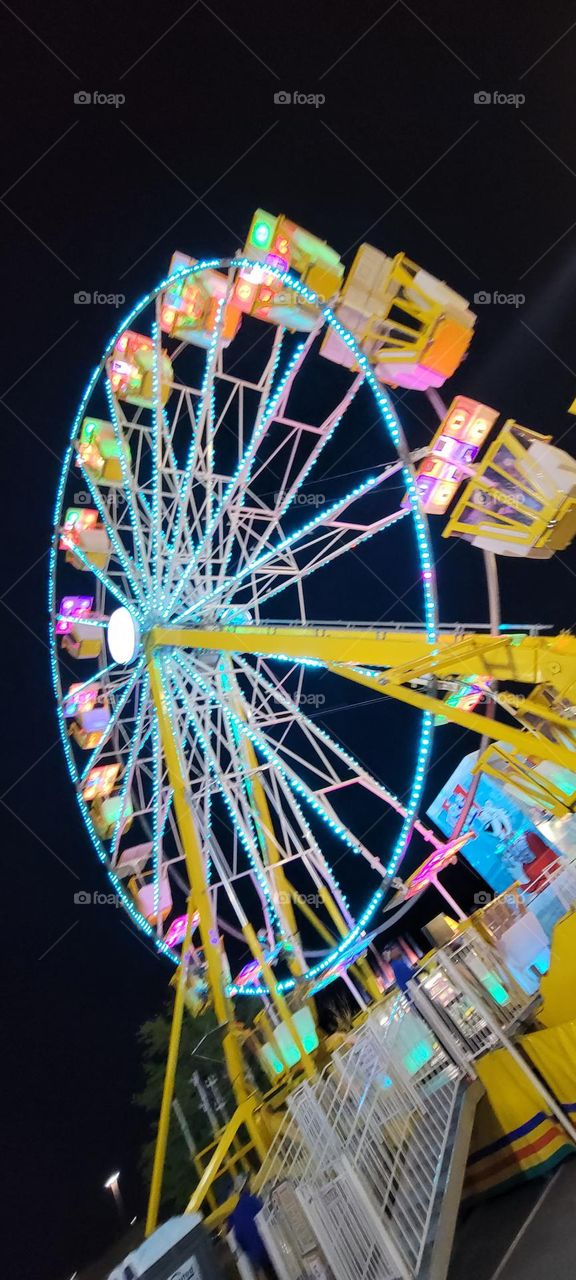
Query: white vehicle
[[180, 1249]]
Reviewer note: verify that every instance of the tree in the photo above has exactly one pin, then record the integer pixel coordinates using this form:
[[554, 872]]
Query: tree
[[201, 1052]]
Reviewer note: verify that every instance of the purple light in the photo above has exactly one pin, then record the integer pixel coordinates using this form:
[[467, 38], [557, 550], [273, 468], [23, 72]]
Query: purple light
[[177, 930], [73, 607]]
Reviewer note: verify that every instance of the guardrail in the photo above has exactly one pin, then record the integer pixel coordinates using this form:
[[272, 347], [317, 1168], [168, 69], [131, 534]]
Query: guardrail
[[362, 1151], [354, 1179]]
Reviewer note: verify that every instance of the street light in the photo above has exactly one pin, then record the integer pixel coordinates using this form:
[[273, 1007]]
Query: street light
[[112, 1184]]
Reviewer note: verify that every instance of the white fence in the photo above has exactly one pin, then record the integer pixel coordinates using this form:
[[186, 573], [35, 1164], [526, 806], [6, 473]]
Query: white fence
[[363, 1150], [353, 1183]]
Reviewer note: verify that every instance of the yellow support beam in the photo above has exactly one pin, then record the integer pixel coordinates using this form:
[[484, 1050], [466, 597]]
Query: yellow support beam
[[360, 968], [169, 1078], [197, 882], [406, 655], [243, 1115], [264, 826], [524, 742], [520, 658]]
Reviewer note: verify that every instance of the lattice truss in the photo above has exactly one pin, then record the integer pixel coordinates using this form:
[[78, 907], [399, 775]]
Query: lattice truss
[[210, 522]]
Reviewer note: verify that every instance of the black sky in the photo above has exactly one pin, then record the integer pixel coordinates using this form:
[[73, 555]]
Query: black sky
[[97, 197]]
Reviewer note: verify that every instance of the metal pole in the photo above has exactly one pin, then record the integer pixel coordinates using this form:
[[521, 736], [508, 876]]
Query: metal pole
[[169, 1078]]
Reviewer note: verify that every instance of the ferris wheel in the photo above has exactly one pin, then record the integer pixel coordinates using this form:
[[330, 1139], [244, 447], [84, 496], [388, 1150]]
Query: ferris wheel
[[183, 624]]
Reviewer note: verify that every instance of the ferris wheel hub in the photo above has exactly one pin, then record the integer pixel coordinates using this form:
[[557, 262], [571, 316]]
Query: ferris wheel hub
[[123, 636]]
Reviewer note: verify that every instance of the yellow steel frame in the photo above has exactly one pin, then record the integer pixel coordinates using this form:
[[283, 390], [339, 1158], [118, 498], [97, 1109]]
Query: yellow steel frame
[[408, 656], [402, 657], [263, 827], [537, 525]]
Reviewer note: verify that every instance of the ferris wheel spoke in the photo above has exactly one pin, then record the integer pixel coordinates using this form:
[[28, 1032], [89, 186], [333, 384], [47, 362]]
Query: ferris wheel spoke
[[156, 458], [226, 537], [242, 474], [120, 552], [202, 422], [289, 487], [130, 490], [114, 719], [140, 736], [268, 689], [298, 836], [322, 808], [321, 526], [104, 578], [315, 554], [246, 832]]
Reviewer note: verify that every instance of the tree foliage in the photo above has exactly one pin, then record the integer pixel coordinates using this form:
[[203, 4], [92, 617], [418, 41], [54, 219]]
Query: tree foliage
[[200, 1051]]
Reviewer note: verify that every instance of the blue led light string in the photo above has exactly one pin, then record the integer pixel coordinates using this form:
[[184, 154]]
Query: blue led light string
[[156, 462], [329, 558], [286, 543], [249, 841], [244, 465], [107, 582], [205, 403], [138, 741], [157, 827], [232, 533], [137, 534], [113, 721], [102, 671], [317, 450], [119, 550]]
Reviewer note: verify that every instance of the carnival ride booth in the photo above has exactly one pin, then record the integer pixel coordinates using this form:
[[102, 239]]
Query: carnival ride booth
[[453, 451], [413, 328], [153, 898], [100, 449], [197, 304], [522, 498], [109, 807], [89, 712], [276, 242], [84, 539], [82, 630], [131, 370]]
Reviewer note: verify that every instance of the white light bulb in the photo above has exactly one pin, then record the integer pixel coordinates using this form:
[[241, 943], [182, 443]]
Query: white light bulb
[[123, 636]]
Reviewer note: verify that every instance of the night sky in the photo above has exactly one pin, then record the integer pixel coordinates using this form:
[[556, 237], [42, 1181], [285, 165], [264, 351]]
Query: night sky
[[96, 197]]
